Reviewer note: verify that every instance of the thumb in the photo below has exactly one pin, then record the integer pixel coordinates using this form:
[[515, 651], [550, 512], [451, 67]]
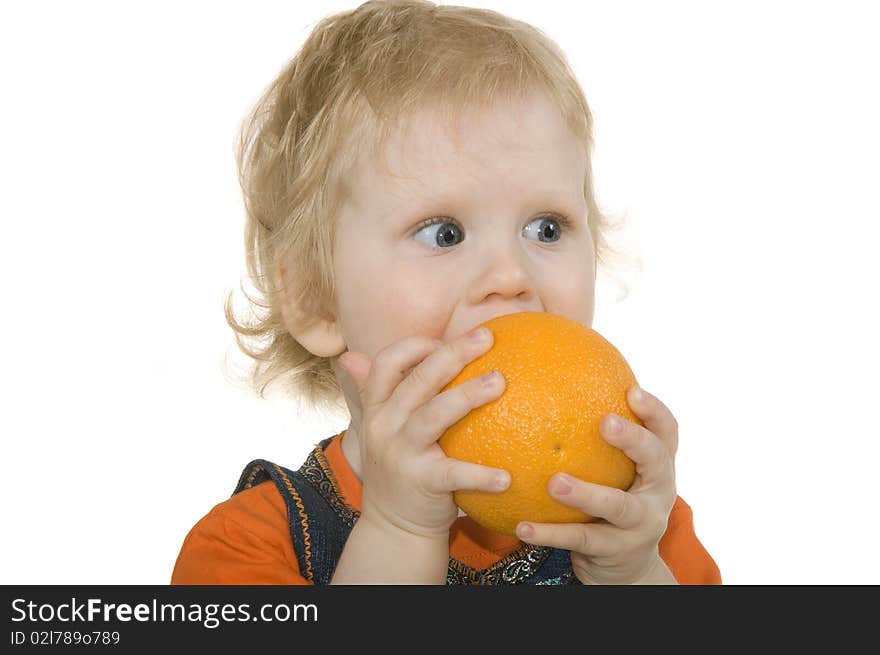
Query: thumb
[[356, 365]]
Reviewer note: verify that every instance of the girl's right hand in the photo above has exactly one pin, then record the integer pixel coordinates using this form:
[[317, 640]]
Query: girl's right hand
[[407, 479]]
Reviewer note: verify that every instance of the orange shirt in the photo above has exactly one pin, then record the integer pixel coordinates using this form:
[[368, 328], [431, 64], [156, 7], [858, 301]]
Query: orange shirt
[[246, 539]]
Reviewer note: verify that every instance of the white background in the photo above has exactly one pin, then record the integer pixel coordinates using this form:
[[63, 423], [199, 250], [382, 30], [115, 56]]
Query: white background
[[740, 140]]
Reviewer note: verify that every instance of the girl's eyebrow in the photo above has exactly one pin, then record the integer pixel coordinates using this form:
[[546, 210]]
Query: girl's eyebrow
[[530, 195], [543, 198]]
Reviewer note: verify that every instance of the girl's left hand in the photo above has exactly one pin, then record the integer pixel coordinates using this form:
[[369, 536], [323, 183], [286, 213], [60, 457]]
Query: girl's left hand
[[622, 548]]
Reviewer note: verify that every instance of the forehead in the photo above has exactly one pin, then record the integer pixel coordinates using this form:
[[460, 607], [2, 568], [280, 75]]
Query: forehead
[[516, 144]]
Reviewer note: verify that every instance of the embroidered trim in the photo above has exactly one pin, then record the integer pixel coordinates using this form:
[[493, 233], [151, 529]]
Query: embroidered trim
[[253, 474], [304, 522], [513, 569], [567, 578], [316, 469]]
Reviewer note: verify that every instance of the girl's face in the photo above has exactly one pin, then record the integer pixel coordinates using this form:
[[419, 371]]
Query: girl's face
[[490, 223]]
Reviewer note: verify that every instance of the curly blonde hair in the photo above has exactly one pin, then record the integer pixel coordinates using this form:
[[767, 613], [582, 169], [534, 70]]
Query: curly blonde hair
[[359, 76]]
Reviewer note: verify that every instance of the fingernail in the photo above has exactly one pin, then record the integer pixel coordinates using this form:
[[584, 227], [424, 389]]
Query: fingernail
[[562, 485], [525, 531], [639, 395], [613, 425], [502, 480], [490, 379], [478, 335]]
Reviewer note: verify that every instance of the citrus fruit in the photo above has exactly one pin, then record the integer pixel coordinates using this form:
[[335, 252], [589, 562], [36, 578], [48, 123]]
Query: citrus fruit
[[561, 378]]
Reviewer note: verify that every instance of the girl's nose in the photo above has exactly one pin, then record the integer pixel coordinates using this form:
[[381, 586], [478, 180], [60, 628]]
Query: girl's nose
[[502, 272]]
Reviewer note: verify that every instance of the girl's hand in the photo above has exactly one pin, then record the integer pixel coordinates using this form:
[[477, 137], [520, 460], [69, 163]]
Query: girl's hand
[[407, 478], [622, 548]]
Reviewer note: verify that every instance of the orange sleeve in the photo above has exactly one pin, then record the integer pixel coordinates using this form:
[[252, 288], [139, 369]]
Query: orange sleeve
[[683, 553], [244, 540]]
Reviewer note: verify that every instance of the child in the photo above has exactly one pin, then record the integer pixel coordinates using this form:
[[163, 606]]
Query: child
[[414, 171]]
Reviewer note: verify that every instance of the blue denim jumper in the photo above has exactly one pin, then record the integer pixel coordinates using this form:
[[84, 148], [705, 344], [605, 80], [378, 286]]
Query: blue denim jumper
[[320, 522]]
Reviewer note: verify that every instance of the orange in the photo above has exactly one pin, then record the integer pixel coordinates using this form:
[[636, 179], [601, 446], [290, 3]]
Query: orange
[[561, 379]]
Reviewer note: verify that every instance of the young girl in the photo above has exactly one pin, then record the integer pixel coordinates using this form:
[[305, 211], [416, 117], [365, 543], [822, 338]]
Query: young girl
[[413, 172]]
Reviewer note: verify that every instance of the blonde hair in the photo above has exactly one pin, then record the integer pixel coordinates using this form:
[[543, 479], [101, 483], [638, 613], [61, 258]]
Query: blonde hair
[[359, 76]]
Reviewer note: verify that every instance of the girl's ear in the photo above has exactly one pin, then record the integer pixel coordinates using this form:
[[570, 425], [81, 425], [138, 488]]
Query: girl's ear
[[319, 336]]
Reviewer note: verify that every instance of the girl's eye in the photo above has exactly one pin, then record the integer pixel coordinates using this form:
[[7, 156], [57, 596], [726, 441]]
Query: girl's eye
[[448, 234], [444, 232], [548, 228]]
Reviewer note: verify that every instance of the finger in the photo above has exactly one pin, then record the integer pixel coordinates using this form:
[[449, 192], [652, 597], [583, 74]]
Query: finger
[[431, 420], [590, 539], [642, 446], [614, 505], [453, 474], [655, 415], [439, 368], [391, 365], [356, 366]]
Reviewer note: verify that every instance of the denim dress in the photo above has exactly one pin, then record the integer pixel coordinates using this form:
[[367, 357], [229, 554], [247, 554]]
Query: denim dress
[[320, 522]]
